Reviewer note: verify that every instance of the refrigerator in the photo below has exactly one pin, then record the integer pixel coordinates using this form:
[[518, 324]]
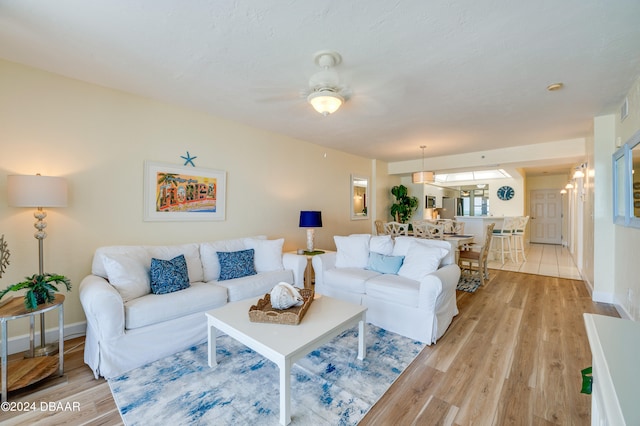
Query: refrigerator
[[451, 207]]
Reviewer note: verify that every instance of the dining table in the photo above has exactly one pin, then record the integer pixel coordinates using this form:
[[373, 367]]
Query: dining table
[[458, 241]]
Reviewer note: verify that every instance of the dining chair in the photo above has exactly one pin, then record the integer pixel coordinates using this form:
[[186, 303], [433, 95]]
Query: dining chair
[[474, 262], [517, 234], [379, 227], [504, 236], [454, 227], [433, 231], [396, 228], [419, 228]]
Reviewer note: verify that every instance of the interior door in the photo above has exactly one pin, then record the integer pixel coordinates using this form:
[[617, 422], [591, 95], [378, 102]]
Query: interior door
[[546, 216]]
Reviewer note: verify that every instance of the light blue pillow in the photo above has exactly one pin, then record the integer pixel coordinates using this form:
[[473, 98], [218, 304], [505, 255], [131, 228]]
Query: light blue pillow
[[236, 264], [384, 264], [168, 276]]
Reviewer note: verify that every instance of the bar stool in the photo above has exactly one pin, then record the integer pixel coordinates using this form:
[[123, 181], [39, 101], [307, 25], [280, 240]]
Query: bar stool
[[517, 233], [503, 235]]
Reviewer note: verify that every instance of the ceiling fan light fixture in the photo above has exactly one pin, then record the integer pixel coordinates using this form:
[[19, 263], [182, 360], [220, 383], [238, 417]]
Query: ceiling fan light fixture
[[325, 101]]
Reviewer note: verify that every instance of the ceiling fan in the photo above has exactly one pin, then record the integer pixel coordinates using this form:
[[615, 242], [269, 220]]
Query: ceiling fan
[[325, 93]]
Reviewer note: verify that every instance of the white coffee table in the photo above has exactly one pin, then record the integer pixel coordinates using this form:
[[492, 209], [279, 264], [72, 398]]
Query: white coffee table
[[285, 344]]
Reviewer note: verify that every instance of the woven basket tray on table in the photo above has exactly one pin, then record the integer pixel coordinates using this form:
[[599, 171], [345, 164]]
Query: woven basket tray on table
[[264, 312]]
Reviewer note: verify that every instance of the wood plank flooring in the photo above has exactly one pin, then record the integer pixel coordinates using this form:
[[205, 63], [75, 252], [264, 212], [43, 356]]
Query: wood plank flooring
[[511, 357]]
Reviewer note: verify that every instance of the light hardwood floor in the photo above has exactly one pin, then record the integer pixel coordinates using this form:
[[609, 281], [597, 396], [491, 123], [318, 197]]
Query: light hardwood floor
[[512, 356]]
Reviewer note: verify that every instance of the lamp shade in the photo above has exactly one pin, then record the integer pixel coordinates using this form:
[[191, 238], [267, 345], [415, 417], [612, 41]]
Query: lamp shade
[[422, 177], [310, 219], [36, 191]]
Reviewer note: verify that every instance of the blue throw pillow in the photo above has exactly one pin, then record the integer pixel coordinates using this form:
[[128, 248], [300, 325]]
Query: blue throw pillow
[[236, 264], [384, 264], [168, 276]]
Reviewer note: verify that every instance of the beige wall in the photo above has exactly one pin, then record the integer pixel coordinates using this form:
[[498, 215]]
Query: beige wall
[[98, 139]]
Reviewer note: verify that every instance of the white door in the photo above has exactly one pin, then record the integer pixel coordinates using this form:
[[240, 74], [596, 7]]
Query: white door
[[546, 216]]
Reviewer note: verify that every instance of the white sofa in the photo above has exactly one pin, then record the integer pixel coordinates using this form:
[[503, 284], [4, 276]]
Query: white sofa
[[129, 326], [408, 285]]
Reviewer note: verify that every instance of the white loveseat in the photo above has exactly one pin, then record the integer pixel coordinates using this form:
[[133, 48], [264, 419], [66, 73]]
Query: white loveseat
[[129, 326], [408, 285]]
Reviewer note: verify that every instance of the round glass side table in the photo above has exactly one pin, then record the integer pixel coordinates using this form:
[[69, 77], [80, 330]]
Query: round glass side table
[[31, 369]]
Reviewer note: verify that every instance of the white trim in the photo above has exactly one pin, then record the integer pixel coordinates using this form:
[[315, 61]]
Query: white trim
[[603, 297], [71, 331]]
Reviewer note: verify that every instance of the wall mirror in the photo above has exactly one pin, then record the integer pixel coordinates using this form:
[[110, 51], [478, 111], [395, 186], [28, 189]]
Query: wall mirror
[[359, 197], [619, 186], [626, 183], [634, 179]]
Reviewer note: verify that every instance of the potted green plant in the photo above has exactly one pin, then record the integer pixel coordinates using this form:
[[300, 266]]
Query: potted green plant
[[404, 206], [41, 288]]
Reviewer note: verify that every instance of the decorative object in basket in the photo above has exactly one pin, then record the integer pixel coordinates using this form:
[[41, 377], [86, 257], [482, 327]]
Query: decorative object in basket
[[284, 296], [263, 311]]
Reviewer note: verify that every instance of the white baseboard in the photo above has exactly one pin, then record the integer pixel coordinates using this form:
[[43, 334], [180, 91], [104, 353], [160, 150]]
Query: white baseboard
[[71, 331]]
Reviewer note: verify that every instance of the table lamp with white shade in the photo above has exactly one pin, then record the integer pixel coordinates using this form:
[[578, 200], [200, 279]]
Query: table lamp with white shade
[[39, 192]]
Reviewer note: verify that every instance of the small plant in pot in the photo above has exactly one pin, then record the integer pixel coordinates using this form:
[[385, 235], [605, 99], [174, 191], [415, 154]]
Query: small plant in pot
[[41, 288]]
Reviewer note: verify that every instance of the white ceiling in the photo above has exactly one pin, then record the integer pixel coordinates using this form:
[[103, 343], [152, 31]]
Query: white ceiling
[[455, 75]]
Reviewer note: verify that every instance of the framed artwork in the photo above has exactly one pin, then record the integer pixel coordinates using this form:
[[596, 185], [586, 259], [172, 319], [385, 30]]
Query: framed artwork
[[181, 193]]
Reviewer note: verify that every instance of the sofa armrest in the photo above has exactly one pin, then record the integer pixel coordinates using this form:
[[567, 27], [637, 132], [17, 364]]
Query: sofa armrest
[[297, 264], [435, 284], [102, 306], [322, 262]]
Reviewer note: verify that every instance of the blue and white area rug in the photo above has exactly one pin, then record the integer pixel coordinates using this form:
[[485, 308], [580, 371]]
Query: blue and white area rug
[[468, 283], [330, 386]]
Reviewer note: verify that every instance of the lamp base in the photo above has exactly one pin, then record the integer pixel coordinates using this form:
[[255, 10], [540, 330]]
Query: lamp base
[[310, 238], [46, 350]]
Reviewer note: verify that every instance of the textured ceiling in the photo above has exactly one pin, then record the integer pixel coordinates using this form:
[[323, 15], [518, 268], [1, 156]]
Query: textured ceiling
[[455, 75]]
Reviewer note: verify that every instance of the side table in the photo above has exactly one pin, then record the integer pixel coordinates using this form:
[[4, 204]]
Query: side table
[[308, 272], [30, 370]]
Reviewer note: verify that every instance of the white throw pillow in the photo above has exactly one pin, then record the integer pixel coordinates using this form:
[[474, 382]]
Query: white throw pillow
[[421, 260], [353, 251], [267, 254], [401, 245], [382, 244], [129, 274]]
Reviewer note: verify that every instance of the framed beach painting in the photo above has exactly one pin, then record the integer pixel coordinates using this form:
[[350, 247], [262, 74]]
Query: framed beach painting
[[181, 193]]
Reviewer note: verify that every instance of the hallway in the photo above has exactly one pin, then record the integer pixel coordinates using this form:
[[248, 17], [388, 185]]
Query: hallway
[[542, 259]]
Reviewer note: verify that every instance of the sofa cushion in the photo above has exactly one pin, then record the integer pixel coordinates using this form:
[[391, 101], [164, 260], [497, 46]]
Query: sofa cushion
[[348, 279], [209, 258], [191, 254], [236, 264], [352, 251], [402, 243], [168, 276], [155, 308], [138, 252], [268, 254], [384, 264], [254, 285], [396, 288], [382, 244], [421, 260], [129, 274]]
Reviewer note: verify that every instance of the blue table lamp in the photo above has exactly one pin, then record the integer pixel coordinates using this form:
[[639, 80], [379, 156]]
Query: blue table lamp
[[310, 220]]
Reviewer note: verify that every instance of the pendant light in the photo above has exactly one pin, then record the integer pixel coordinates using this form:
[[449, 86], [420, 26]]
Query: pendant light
[[422, 176]]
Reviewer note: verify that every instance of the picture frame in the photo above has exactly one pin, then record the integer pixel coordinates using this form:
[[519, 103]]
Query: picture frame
[[182, 193]]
